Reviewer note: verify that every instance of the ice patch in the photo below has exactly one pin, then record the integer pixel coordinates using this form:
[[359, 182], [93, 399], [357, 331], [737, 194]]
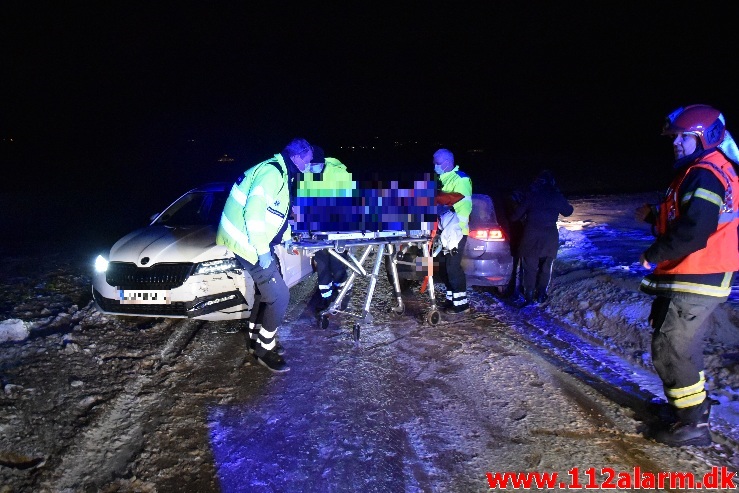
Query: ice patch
[[13, 329]]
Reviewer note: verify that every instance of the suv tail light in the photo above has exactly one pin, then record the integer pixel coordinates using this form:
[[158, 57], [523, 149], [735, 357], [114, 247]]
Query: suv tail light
[[487, 234]]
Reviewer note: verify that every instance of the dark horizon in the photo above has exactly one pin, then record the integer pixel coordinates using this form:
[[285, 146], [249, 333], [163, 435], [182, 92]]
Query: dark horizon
[[115, 96]]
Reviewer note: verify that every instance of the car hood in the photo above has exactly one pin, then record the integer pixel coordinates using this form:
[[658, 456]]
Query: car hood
[[157, 244]]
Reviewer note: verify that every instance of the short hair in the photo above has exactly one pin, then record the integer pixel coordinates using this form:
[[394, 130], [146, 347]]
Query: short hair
[[445, 155], [297, 147]]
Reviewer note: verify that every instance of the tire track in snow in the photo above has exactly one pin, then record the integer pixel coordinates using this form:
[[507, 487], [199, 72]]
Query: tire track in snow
[[108, 446]]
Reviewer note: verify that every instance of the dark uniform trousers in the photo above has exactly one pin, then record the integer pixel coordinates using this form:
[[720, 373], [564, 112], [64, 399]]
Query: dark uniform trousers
[[274, 297], [677, 349]]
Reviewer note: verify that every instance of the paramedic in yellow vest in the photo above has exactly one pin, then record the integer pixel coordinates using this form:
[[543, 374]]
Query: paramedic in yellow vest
[[455, 193], [695, 256], [254, 219], [327, 177]]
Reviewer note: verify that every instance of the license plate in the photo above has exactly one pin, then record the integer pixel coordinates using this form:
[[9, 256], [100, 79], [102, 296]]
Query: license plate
[[137, 297]]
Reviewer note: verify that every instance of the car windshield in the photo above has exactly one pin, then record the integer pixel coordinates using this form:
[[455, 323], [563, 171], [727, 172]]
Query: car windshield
[[194, 209]]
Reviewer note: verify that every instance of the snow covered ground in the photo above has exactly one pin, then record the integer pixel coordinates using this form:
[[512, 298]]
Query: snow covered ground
[[58, 349], [595, 291]]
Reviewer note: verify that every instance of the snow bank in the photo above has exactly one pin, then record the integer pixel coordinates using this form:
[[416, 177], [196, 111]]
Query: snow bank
[[595, 289]]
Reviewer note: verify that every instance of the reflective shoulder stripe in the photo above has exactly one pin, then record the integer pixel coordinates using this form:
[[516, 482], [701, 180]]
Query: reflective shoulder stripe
[[238, 196], [258, 191], [704, 194]]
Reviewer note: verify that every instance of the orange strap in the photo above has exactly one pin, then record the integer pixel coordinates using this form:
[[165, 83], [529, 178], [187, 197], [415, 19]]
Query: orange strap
[[430, 259]]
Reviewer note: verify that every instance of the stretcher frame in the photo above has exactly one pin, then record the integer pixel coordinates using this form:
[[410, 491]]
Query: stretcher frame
[[386, 243]]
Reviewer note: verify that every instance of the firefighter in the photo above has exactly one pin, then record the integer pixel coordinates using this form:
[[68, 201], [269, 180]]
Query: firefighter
[[254, 220], [328, 179], [696, 255], [456, 194]]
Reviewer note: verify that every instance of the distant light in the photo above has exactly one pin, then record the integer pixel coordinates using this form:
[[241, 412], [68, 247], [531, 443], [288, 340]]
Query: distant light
[[571, 225]]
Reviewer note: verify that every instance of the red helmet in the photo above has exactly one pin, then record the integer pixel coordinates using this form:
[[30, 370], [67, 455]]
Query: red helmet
[[701, 120]]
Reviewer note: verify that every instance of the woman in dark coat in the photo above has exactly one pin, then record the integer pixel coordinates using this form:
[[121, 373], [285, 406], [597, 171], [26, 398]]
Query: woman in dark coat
[[539, 212]]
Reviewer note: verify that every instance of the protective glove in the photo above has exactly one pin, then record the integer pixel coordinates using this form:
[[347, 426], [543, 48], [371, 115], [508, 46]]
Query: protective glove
[[265, 259], [291, 249], [436, 245]]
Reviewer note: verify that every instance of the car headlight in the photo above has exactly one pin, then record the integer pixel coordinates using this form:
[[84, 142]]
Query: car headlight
[[217, 266], [101, 264]]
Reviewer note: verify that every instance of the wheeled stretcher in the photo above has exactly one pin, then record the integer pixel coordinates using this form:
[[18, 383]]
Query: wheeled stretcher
[[385, 244]]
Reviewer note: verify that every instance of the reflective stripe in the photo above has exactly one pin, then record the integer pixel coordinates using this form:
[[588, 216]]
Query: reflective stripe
[[267, 338], [258, 191], [689, 287], [704, 194], [238, 195], [691, 389], [460, 299], [254, 330], [690, 401], [727, 217], [234, 232], [255, 226]]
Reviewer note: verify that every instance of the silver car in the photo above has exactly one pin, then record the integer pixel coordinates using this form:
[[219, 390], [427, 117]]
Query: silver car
[[486, 259], [173, 268]]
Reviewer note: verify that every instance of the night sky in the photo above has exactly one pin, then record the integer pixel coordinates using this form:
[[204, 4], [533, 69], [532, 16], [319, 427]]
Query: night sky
[[133, 96]]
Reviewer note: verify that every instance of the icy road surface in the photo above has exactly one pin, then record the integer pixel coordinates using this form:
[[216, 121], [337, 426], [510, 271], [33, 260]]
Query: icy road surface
[[93, 403]]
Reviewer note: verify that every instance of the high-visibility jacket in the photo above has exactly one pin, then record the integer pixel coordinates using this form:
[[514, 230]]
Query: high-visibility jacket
[[333, 181], [256, 210], [706, 265], [457, 181]]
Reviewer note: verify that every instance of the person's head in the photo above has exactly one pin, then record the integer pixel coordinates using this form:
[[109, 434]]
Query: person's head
[[300, 153], [318, 162], [443, 161], [545, 178], [694, 128]]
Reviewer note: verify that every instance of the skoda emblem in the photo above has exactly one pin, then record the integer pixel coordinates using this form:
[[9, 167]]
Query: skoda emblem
[[144, 260]]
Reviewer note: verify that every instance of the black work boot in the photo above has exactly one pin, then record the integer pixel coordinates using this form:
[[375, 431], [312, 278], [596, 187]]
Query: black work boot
[[279, 348], [324, 303], [691, 427], [271, 360]]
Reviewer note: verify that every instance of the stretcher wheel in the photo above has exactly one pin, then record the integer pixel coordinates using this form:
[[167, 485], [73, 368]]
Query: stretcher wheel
[[399, 310], [433, 317], [323, 322], [355, 332]]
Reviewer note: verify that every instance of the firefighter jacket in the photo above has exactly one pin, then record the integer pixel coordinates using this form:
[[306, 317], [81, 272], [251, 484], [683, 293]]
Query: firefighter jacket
[[696, 250], [256, 211], [457, 181], [333, 181]]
